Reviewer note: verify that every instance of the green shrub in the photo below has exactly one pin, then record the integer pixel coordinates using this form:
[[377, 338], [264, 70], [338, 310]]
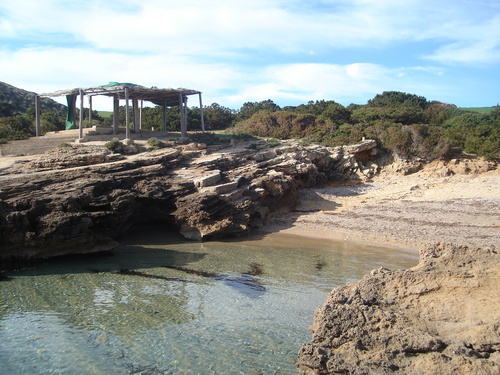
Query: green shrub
[[405, 124], [115, 146], [155, 144], [64, 144]]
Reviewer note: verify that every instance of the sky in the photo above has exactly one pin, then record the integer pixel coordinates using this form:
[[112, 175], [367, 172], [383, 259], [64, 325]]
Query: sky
[[289, 51]]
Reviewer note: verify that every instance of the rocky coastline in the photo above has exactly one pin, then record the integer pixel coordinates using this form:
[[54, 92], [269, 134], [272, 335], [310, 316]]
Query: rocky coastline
[[81, 199], [439, 317]]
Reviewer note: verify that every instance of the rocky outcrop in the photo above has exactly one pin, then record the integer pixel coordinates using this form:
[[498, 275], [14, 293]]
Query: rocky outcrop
[[58, 205], [67, 156], [461, 165], [441, 317]]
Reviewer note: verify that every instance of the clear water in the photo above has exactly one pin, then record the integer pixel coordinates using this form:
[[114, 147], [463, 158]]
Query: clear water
[[249, 314]]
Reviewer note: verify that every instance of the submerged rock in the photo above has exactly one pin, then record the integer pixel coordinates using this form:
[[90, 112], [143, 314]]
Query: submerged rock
[[440, 317]]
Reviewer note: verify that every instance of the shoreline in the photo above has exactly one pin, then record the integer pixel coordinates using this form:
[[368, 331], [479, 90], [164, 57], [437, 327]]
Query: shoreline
[[324, 234], [403, 212]]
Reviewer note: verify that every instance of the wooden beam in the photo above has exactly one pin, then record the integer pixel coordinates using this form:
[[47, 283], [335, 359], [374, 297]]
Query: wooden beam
[[37, 115], [184, 117], [127, 114], [140, 114], [116, 113], [90, 110], [80, 122], [201, 115], [181, 113], [135, 105]]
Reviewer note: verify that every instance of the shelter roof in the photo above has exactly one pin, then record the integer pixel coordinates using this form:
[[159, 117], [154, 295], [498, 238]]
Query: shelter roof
[[155, 95]]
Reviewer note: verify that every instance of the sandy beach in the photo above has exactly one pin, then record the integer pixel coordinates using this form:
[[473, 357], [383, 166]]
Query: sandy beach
[[401, 211]]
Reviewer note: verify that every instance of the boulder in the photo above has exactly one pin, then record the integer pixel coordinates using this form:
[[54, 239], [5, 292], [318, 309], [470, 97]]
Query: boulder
[[440, 317]]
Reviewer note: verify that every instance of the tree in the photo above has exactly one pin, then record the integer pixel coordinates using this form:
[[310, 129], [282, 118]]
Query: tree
[[336, 113], [7, 109], [249, 108], [393, 106], [476, 133], [217, 117], [394, 99], [16, 127]]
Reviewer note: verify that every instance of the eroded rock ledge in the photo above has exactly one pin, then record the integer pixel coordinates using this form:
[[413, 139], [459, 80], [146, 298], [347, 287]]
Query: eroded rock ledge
[[54, 206], [440, 317]]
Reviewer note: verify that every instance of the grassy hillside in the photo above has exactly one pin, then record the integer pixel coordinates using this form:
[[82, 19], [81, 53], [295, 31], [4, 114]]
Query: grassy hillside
[[105, 114], [15, 101], [478, 109]]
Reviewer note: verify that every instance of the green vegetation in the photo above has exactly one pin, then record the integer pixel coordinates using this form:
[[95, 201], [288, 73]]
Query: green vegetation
[[478, 109], [15, 101], [17, 114], [155, 144], [404, 124], [115, 146], [105, 114]]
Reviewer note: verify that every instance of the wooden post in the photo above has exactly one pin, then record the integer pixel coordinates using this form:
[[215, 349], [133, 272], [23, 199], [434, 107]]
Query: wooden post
[[80, 123], [184, 108], [37, 115], [135, 105], [201, 115], [127, 115], [140, 114], [90, 110], [164, 115], [180, 112], [116, 113], [183, 116]]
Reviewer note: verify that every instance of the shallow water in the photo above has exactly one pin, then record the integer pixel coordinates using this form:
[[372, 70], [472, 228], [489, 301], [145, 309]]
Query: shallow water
[[162, 305]]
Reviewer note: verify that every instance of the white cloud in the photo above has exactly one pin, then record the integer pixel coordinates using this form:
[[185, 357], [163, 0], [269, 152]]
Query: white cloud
[[237, 51], [473, 43], [345, 84], [220, 27], [51, 69]]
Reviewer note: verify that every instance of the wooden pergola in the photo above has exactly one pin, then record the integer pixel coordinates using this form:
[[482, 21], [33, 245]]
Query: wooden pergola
[[129, 92]]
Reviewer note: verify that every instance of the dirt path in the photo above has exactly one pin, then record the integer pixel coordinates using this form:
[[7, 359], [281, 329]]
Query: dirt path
[[401, 211]]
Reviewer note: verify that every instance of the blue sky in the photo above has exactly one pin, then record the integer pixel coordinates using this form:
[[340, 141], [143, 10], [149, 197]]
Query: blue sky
[[290, 51]]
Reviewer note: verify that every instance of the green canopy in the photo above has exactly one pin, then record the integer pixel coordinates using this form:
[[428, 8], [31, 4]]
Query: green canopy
[[112, 83]]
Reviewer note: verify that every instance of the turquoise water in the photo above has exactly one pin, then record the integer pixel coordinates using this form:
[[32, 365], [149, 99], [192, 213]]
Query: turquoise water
[[162, 305]]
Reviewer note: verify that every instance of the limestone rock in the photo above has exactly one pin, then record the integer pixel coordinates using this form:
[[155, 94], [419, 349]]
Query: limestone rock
[[75, 200], [68, 157], [441, 317]]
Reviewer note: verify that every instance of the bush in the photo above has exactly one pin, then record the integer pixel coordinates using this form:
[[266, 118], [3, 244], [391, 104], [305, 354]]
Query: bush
[[405, 124], [279, 124], [16, 127], [115, 146], [475, 133], [155, 144]]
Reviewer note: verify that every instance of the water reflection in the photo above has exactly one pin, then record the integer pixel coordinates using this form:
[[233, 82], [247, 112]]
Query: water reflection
[[163, 304]]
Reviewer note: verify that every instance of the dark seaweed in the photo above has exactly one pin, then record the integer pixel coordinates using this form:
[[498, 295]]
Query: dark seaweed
[[194, 272], [144, 274], [256, 269]]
